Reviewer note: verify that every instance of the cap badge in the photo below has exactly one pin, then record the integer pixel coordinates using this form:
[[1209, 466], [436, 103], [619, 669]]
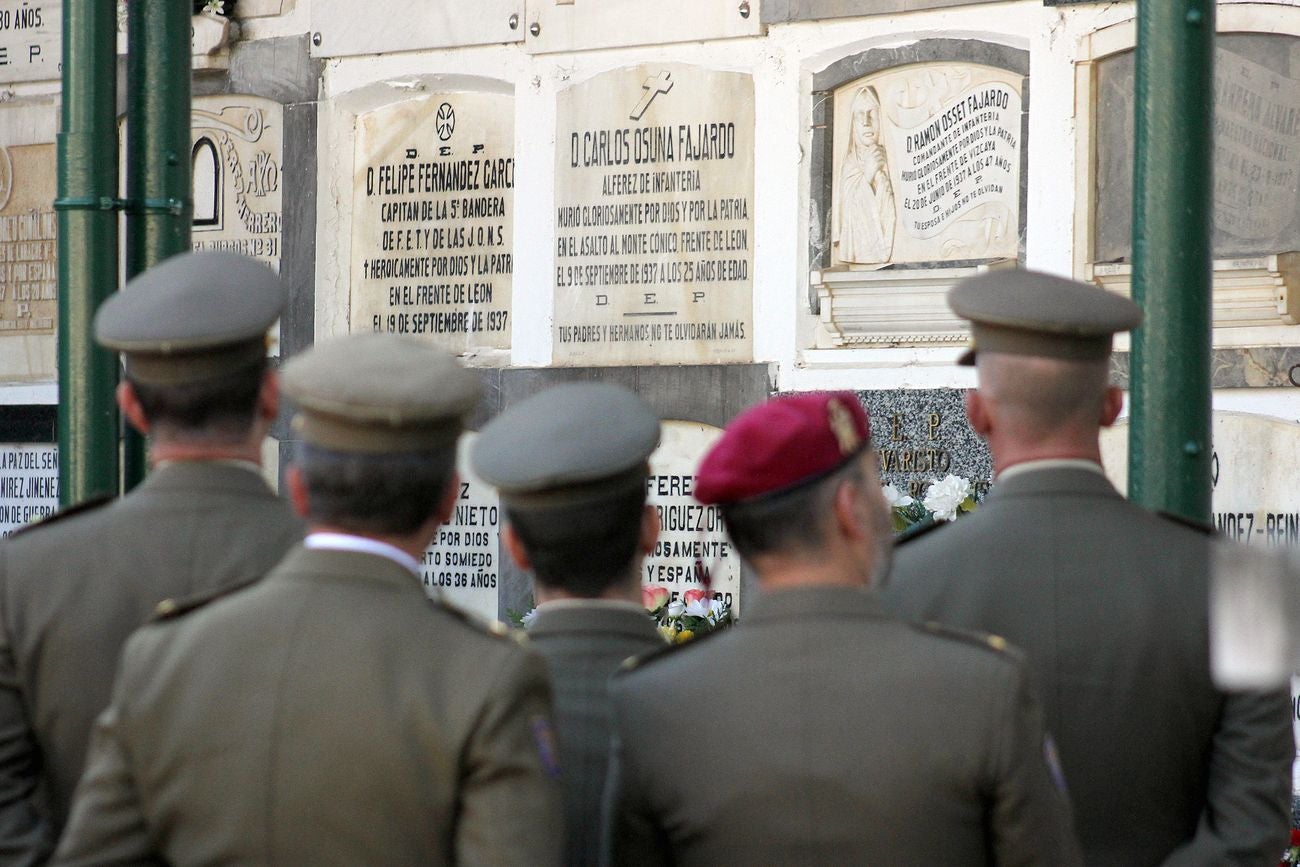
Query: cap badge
[[841, 422]]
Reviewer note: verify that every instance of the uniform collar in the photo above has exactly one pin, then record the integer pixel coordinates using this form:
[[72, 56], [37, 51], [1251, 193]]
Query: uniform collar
[[1050, 464], [347, 565], [592, 615], [1053, 480], [195, 475], [363, 545], [816, 602]]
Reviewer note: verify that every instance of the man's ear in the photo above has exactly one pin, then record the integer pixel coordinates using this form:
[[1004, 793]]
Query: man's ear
[[977, 412], [515, 548], [297, 487], [129, 403], [1111, 405], [649, 529], [851, 508], [268, 396]]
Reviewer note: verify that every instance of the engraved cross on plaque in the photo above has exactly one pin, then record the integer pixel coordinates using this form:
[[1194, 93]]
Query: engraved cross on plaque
[[653, 86]]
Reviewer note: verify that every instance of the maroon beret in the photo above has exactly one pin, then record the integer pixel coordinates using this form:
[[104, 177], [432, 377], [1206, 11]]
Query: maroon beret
[[781, 443]]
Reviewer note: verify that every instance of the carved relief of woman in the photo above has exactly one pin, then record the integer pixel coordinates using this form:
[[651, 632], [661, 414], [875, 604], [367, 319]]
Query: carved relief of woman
[[865, 214]]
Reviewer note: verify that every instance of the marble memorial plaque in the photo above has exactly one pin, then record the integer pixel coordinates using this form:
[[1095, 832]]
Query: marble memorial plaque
[[926, 165], [654, 198], [433, 220], [238, 157], [1256, 148], [923, 435], [29, 273], [31, 40], [462, 566], [29, 484], [1255, 471], [693, 551]]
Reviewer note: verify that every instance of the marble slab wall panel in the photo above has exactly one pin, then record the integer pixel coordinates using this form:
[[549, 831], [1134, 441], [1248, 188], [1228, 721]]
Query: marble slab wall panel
[[922, 435], [654, 225]]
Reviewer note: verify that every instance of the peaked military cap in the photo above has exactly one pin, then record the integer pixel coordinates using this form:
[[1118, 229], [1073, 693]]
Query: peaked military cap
[[192, 317], [781, 444], [568, 444], [1030, 313], [379, 394]]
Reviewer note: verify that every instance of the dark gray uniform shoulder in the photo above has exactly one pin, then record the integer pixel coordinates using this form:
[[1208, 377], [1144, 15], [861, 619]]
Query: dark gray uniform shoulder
[[669, 651], [995, 644], [170, 609], [918, 531], [64, 514]]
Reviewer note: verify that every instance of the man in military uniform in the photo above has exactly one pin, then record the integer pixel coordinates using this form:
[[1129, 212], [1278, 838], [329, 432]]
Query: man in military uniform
[[192, 332], [1108, 601], [821, 730], [332, 713], [570, 466]]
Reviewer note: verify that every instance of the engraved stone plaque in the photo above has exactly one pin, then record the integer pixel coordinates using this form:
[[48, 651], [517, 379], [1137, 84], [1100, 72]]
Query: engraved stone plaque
[[922, 435], [1255, 472], [463, 564], [29, 484], [29, 274], [926, 165], [31, 40], [1256, 149], [433, 220], [654, 217], [237, 159], [693, 551]]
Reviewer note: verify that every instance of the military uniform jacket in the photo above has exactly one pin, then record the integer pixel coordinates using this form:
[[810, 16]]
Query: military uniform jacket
[[584, 643], [71, 593], [1110, 604], [822, 731], [330, 714]]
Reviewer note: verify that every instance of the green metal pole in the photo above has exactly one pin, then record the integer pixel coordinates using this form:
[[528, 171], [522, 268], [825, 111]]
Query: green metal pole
[[1169, 431], [157, 149], [87, 248]]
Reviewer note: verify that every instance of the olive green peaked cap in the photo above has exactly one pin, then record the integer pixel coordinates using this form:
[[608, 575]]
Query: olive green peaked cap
[[1030, 313], [568, 444], [379, 394], [192, 317]]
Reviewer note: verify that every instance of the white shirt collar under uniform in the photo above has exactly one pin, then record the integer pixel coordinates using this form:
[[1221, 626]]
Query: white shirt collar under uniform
[[1050, 464], [364, 545], [592, 603]]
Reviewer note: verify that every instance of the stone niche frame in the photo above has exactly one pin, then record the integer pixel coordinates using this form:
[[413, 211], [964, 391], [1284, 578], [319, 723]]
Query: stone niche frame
[[1256, 300], [898, 304]]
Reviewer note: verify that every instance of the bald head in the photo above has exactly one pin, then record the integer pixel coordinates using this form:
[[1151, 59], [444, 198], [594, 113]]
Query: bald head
[[1033, 399]]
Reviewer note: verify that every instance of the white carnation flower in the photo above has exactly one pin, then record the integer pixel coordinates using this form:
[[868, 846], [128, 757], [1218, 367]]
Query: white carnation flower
[[697, 608], [527, 619], [896, 498], [675, 608], [944, 497]]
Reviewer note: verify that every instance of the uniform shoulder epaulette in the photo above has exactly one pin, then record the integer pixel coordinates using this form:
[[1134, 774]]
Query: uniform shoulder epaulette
[[67, 512], [495, 628], [916, 531], [1198, 526], [987, 641], [170, 609], [641, 660]]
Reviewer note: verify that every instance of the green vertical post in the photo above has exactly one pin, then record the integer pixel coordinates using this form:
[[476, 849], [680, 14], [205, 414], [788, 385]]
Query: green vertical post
[[87, 249], [1169, 431], [157, 150]]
